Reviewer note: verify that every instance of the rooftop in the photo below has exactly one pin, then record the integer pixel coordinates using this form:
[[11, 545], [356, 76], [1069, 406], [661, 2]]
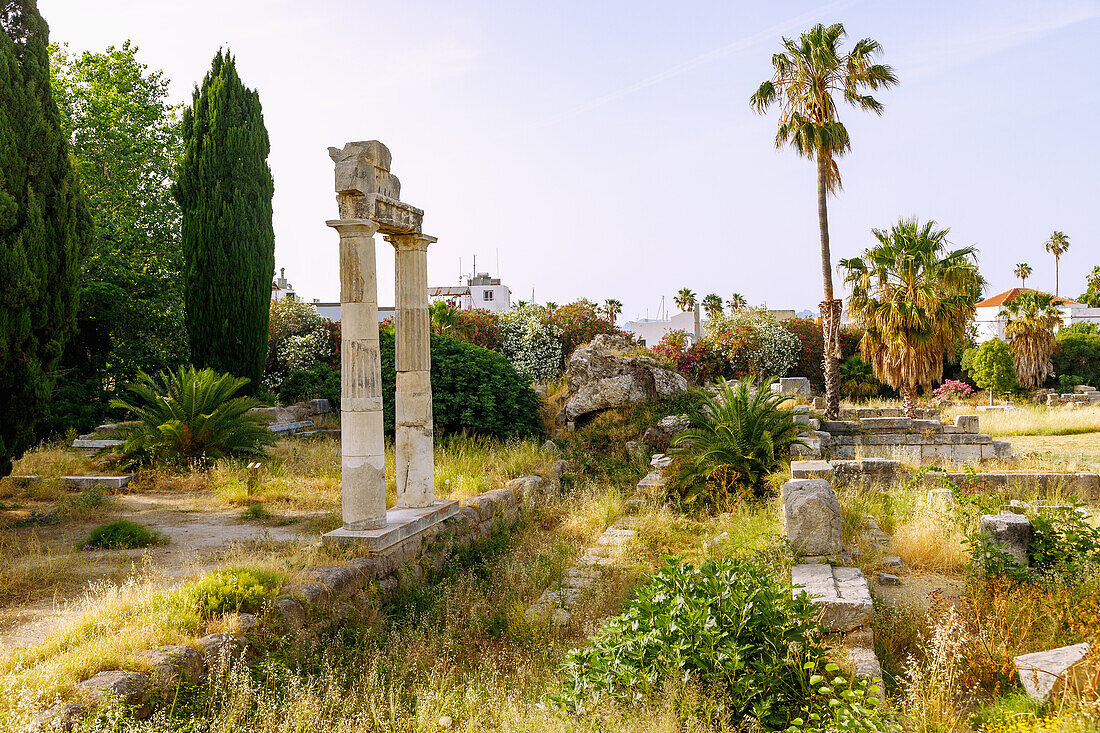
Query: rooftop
[[1010, 295]]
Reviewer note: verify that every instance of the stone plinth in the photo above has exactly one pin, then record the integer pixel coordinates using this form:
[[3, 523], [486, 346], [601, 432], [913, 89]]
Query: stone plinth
[[812, 469], [401, 524], [811, 515], [1013, 530]]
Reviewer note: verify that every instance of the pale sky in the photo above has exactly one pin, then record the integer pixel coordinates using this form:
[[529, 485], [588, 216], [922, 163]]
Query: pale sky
[[608, 149]]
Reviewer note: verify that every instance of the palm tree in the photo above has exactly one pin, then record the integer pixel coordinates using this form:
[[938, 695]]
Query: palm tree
[[712, 304], [1091, 296], [915, 298], [1057, 246], [1030, 321], [685, 299], [612, 308], [737, 302], [446, 320], [1023, 271], [807, 75]]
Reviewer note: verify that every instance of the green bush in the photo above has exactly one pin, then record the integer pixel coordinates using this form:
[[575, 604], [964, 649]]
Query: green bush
[[737, 437], [1062, 538], [320, 382], [991, 367], [1078, 354], [236, 590], [725, 626], [124, 535], [191, 415], [474, 390]]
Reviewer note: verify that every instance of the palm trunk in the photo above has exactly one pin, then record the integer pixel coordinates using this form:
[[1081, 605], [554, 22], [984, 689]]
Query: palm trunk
[[1056, 277], [830, 308], [909, 399]]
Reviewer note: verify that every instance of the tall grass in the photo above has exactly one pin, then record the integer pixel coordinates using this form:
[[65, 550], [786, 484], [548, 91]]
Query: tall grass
[[1029, 419]]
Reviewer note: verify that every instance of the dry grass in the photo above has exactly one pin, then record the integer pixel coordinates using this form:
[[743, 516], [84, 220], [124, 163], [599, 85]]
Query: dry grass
[[1029, 419], [51, 460]]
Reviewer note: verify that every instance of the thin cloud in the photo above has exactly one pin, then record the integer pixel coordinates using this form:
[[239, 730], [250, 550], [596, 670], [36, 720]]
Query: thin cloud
[[710, 57]]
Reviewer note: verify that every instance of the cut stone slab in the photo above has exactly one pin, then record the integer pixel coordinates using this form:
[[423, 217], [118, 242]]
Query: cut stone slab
[[1013, 530], [966, 423], [842, 594], [401, 524], [812, 469], [888, 579], [811, 514], [98, 482], [864, 663], [89, 444], [1041, 672]]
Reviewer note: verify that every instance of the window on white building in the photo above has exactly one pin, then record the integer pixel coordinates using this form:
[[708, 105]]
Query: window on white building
[[487, 295]]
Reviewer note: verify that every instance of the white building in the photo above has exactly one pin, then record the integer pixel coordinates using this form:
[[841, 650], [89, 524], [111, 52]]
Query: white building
[[480, 291], [991, 325], [281, 287], [650, 331]]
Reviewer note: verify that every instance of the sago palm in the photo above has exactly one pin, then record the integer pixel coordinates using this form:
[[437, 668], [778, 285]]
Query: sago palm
[[808, 73], [1057, 246], [915, 298], [712, 305], [1030, 321], [685, 299], [739, 435], [1023, 271], [191, 415]]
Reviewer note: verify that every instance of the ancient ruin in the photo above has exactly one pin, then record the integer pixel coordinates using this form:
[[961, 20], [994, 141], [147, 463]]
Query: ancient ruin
[[369, 200]]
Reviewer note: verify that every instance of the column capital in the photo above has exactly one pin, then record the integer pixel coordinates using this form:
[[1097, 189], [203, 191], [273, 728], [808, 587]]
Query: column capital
[[417, 241], [349, 227]]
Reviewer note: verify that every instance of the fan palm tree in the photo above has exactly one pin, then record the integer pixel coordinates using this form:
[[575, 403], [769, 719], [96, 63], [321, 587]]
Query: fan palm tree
[[685, 299], [737, 302], [1023, 271], [712, 304], [612, 308], [915, 298], [1057, 246], [1030, 321], [446, 320], [808, 73]]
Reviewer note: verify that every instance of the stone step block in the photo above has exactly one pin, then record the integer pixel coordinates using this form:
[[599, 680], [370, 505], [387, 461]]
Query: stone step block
[[842, 594], [98, 482], [885, 424], [1046, 674], [812, 469]]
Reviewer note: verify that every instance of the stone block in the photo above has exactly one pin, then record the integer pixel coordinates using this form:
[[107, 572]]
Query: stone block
[[481, 503], [966, 423], [888, 579], [342, 582], [811, 514], [926, 426], [1011, 530], [501, 498], [885, 424], [320, 407], [312, 595], [819, 403], [840, 427], [966, 453], [131, 689], [369, 568], [1002, 449], [289, 614], [1041, 672], [841, 593], [61, 717], [812, 469], [865, 664], [218, 649], [97, 482], [795, 385], [175, 664]]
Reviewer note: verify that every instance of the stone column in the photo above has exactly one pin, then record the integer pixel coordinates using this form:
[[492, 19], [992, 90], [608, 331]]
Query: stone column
[[413, 358], [362, 455]]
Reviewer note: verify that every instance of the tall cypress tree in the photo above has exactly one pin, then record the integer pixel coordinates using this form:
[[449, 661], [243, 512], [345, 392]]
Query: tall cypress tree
[[224, 191], [44, 229]]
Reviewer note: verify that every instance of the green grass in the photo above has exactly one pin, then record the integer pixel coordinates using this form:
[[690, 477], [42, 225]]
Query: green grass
[[123, 534]]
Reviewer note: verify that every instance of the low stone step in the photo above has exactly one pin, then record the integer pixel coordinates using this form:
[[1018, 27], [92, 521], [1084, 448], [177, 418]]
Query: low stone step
[[290, 427], [104, 482], [842, 594], [95, 444]]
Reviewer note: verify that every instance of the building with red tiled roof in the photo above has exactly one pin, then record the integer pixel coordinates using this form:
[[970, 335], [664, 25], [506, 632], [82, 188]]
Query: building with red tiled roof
[[991, 325]]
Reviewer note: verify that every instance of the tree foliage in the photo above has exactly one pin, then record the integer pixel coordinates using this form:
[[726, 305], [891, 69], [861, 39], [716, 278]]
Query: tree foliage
[[45, 229], [125, 138], [991, 367], [578, 323], [224, 190], [1030, 320], [1091, 296]]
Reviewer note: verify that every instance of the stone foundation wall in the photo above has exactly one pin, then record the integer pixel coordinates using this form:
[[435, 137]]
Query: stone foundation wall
[[858, 413], [317, 599], [909, 441], [1084, 484]]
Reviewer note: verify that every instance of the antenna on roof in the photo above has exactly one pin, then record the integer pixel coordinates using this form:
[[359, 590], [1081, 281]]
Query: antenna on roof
[[498, 263]]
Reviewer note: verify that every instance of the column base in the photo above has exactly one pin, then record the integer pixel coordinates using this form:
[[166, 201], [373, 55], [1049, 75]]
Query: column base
[[401, 524]]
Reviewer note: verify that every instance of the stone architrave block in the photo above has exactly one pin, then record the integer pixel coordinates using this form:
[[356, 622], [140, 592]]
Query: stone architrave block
[[812, 469], [966, 423], [842, 594], [1041, 672], [1013, 530], [795, 385], [811, 514]]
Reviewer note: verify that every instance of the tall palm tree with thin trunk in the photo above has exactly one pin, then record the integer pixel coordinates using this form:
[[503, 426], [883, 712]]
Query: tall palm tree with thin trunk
[[1023, 271], [737, 302], [808, 73], [685, 300], [915, 298], [612, 308], [1057, 246], [712, 305], [1030, 320]]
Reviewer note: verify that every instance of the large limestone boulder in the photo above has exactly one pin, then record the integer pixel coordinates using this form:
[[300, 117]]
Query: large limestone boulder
[[601, 375]]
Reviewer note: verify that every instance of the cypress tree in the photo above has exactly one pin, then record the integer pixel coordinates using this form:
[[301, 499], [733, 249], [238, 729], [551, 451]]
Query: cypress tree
[[224, 191], [44, 229]]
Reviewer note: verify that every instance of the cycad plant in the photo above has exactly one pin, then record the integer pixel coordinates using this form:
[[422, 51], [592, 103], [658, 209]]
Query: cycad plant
[[915, 298], [737, 437], [1030, 321], [191, 415], [857, 378]]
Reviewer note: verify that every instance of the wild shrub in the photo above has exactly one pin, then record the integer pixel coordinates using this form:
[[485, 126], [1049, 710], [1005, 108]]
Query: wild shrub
[[578, 323], [191, 415], [320, 382], [725, 626], [857, 379], [530, 342], [236, 590], [737, 437], [1062, 539], [1078, 354], [124, 534]]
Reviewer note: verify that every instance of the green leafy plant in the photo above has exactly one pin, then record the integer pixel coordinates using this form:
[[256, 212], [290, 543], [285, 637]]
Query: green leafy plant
[[235, 590], [737, 437], [191, 415], [988, 558], [857, 378], [322, 381], [726, 626], [840, 703], [124, 534], [991, 367], [1062, 538]]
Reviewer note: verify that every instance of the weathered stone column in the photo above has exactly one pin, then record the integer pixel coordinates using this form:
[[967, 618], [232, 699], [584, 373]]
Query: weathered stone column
[[362, 455], [413, 357]]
